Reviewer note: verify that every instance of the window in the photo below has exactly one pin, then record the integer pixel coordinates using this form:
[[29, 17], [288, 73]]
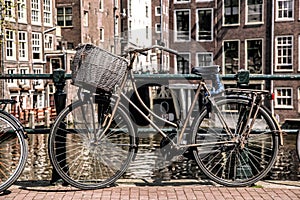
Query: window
[[157, 11], [101, 34], [9, 9], [204, 59], [284, 97], [86, 19], [23, 48], [24, 81], [64, 16], [35, 11], [182, 25], [205, 24], [101, 5], [147, 32], [130, 8], [158, 28], [12, 81], [284, 9], [231, 12], [22, 14], [36, 46], [254, 56], [47, 12], [284, 53], [38, 100], [147, 11], [231, 57], [38, 83], [254, 11], [183, 63], [10, 45], [49, 42]]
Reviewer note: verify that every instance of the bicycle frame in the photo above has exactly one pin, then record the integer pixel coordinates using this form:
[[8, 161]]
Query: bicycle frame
[[121, 95], [201, 86]]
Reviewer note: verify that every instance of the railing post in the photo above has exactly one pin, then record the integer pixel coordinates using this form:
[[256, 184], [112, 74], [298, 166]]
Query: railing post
[[60, 103], [243, 78]]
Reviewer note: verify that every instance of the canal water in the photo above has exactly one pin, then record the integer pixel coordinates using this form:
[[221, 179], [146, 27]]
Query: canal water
[[150, 165]]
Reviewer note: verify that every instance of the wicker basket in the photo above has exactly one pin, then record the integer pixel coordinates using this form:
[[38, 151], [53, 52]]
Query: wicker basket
[[94, 68]]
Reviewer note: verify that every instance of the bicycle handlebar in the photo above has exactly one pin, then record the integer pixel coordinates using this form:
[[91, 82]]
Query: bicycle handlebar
[[141, 50]]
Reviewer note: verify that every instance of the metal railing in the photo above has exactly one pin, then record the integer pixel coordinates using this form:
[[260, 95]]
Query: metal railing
[[59, 78]]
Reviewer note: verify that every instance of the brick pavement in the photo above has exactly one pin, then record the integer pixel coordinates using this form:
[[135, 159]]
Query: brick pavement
[[168, 191]]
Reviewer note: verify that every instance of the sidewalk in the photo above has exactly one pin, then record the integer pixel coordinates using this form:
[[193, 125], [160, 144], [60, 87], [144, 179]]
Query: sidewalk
[[143, 190]]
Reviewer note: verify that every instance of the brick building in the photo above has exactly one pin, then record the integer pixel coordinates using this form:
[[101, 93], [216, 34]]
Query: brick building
[[257, 35], [30, 35]]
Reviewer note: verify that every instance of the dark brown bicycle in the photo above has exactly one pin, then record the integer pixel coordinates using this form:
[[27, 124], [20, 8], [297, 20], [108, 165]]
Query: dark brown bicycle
[[233, 137]]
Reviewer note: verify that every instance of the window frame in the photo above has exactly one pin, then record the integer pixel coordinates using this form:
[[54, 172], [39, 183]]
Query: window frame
[[204, 53], [176, 28], [277, 56], [188, 54], [211, 24], [49, 42], [262, 13], [277, 106], [24, 70], [11, 82], [101, 34], [262, 53], [224, 58], [22, 11], [157, 10], [36, 45], [47, 12], [64, 15], [284, 18], [36, 12], [10, 45], [23, 42], [223, 14]]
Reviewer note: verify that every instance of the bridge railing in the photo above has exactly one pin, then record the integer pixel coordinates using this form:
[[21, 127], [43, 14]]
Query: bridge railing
[[59, 78]]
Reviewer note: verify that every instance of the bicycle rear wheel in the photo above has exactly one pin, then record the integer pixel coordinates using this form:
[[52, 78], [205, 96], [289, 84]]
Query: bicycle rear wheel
[[226, 159], [85, 156], [13, 151]]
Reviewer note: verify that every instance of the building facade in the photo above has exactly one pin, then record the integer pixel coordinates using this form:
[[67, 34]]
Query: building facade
[[28, 34], [257, 35]]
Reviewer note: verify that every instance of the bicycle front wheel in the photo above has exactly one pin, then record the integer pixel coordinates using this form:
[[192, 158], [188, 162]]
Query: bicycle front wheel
[[230, 159], [83, 154], [13, 151]]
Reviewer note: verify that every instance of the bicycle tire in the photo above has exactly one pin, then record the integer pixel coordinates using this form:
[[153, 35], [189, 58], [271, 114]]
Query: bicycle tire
[[90, 162], [230, 163], [13, 150]]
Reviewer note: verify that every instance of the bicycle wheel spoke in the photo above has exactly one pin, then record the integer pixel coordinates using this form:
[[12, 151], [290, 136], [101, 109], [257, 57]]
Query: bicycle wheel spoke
[[84, 155], [231, 159]]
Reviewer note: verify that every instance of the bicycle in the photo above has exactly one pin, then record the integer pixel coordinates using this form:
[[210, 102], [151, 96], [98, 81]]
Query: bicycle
[[234, 138], [13, 147]]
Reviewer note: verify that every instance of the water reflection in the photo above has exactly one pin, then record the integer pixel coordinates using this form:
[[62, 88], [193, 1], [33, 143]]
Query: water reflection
[[150, 165]]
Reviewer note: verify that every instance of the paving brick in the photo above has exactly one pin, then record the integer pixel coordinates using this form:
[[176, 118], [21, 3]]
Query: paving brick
[[134, 192]]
